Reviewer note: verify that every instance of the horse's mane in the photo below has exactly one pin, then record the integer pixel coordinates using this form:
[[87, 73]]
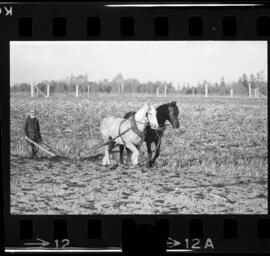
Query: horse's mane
[[160, 109], [143, 108], [129, 114], [166, 105]]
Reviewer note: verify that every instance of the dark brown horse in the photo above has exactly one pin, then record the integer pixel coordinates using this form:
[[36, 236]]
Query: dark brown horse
[[165, 112]]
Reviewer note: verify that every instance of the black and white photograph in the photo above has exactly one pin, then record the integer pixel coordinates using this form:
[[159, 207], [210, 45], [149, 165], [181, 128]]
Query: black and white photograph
[[138, 127]]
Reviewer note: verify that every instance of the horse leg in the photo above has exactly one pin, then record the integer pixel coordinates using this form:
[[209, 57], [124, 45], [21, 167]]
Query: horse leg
[[157, 152], [134, 154], [149, 150], [106, 158], [121, 150], [129, 153]]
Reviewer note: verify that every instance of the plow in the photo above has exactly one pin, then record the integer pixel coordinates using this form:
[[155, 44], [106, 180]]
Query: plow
[[45, 148]]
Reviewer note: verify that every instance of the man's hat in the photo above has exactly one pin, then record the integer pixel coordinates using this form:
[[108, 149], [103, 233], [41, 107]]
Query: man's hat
[[32, 111]]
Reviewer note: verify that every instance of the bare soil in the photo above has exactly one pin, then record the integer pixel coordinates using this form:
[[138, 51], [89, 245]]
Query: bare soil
[[216, 163]]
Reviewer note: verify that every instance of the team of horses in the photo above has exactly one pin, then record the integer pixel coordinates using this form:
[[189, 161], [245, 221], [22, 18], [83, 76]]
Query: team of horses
[[147, 124]]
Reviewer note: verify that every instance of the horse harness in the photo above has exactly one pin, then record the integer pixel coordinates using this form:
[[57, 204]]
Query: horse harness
[[134, 128]]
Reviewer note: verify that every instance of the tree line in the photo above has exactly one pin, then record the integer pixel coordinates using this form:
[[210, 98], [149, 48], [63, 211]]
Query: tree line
[[240, 87], [131, 85]]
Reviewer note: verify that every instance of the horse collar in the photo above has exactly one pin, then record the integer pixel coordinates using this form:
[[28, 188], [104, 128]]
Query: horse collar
[[135, 127]]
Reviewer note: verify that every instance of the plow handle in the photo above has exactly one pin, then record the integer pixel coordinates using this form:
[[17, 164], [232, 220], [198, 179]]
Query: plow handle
[[39, 146]]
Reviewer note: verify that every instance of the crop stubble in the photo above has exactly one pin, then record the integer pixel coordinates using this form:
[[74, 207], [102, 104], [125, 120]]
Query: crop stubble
[[216, 163]]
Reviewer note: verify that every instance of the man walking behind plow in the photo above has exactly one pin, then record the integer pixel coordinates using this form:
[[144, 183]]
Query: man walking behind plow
[[32, 131]]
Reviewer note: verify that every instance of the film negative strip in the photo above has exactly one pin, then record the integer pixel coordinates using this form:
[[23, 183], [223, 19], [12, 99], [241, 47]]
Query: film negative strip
[[135, 127]]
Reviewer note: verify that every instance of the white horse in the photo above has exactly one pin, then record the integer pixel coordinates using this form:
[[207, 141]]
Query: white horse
[[127, 132]]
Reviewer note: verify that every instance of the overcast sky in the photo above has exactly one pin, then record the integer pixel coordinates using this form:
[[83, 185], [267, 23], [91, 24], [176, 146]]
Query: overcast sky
[[171, 61]]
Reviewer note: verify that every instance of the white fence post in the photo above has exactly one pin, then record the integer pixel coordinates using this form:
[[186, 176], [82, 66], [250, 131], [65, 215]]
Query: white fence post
[[206, 90], [157, 91], [231, 93], [193, 92], [165, 90], [48, 90], [32, 90], [77, 91], [249, 90]]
